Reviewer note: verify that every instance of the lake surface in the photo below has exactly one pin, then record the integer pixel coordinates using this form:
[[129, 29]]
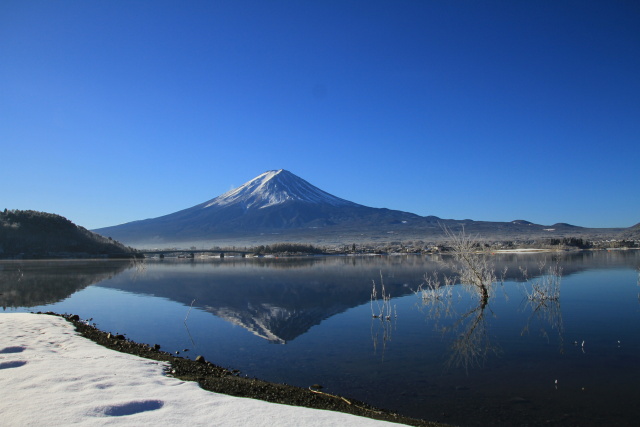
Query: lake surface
[[309, 321]]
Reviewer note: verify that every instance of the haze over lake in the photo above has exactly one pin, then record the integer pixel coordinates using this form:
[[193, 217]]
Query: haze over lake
[[308, 321]]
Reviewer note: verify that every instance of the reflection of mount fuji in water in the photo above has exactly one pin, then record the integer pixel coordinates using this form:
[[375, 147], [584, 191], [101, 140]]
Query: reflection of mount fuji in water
[[276, 299], [279, 304], [281, 299], [275, 324]]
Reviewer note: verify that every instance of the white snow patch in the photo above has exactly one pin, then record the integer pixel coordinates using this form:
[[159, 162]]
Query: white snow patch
[[49, 375]]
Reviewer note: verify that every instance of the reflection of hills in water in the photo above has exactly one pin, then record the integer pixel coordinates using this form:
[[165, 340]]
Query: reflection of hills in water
[[571, 262], [281, 299], [34, 283]]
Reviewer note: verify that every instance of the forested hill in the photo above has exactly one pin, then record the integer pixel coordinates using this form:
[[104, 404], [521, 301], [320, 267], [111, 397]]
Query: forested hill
[[32, 234]]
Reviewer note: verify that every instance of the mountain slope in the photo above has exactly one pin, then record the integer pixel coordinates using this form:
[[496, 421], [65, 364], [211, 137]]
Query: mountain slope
[[273, 201]]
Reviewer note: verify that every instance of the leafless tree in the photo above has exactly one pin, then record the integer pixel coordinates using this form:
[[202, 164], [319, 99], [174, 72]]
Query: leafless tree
[[472, 263]]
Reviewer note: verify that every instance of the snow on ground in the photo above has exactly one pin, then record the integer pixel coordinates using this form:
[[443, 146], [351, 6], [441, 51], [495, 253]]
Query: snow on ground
[[50, 375]]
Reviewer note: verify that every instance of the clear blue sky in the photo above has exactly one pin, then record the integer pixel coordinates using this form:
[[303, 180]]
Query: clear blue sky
[[113, 111]]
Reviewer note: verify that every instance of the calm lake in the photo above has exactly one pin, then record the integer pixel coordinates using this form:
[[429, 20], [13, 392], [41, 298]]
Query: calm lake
[[308, 321]]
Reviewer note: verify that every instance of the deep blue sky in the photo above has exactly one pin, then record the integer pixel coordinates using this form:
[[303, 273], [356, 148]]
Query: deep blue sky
[[113, 111]]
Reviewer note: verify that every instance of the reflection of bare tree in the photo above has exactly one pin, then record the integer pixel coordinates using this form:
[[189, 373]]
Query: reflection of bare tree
[[543, 297], [475, 270], [382, 318], [472, 345], [546, 313], [381, 333]]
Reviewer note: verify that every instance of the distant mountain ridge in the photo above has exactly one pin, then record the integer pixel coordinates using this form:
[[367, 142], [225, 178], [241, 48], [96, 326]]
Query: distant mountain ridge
[[280, 204]]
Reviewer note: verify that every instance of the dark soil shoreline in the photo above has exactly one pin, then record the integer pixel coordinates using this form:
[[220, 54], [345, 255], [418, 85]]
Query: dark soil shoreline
[[220, 380]]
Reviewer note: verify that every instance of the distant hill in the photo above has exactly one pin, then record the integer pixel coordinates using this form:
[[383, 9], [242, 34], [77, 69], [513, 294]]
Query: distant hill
[[631, 233], [32, 234], [280, 206]]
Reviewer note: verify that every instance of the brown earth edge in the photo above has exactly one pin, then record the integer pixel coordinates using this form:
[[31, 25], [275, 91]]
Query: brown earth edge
[[220, 380]]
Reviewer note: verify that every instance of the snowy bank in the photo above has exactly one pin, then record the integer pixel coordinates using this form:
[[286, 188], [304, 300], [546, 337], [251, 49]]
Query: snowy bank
[[49, 375]]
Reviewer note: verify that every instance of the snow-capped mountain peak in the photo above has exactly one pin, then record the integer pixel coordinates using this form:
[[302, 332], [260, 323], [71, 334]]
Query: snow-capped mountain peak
[[273, 188]]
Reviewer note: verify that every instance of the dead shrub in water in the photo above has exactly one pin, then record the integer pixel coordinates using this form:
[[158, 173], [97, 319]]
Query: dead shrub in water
[[384, 309], [547, 286], [432, 289], [436, 295]]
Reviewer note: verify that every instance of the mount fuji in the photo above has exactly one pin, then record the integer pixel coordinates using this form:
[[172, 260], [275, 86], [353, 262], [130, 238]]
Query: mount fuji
[[275, 202], [278, 206]]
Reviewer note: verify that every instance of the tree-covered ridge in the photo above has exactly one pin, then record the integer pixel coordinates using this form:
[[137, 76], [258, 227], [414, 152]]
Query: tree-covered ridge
[[287, 248], [33, 234]]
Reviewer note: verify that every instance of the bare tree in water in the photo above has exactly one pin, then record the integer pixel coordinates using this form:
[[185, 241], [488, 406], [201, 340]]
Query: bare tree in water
[[472, 264]]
